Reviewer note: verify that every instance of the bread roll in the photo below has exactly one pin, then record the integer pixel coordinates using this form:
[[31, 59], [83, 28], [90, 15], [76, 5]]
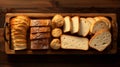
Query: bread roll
[[57, 32], [55, 44], [57, 21]]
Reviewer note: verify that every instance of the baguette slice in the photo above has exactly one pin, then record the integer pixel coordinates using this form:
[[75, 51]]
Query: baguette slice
[[84, 27], [100, 40], [75, 24], [67, 24], [73, 42], [104, 19]]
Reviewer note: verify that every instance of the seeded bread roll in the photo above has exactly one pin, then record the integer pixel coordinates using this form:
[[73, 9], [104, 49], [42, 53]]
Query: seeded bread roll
[[73, 42], [55, 44], [40, 22], [39, 29], [100, 40], [57, 21], [57, 32]]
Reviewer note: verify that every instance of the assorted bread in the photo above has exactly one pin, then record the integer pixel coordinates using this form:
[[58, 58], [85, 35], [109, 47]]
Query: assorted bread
[[61, 32]]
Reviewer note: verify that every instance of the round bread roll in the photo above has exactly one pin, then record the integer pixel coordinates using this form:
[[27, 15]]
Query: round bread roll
[[57, 21], [55, 44], [56, 32]]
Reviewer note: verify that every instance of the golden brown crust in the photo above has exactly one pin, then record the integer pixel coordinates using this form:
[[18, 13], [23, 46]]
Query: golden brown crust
[[57, 21], [55, 44], [57, 32]]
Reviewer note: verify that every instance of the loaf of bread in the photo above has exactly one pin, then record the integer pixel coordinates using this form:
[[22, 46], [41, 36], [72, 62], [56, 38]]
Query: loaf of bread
[[39, 35], [75, 24], [40, 22], [19, 26], [67, 24], [73, 42], [40, 44], [55, 44], [84, 27], [56, 32], [100, 40], [57, 21], [39, 29], [103, 19]]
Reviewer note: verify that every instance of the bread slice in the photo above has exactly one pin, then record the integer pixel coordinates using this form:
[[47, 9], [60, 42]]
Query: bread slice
[[73, 42], [67, 24], [39, 29], [84, 27], [104, 19], [100, 40], [75, 24], [98, 25]]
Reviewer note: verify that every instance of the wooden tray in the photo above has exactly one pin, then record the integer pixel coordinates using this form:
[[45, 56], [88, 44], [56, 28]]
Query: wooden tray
[[112, 49]]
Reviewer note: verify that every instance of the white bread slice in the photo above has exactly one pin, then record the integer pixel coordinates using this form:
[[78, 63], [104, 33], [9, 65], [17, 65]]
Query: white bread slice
[[100, 40], [84, 27], [104, 19], [90, 20], [75, 24], [98, 25], [67, 24], [73, 42]]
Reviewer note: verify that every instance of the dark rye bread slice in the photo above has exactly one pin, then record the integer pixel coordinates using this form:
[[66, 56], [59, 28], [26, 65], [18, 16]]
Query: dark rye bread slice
[[39, 35], [100, 40], [39, 29], [40, 22], [40, 44]]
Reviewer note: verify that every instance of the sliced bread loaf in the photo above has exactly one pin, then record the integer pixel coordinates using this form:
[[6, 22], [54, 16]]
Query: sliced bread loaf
[[67, 24], [103, 19], [98, 25], [75, 24], [84, 27], [100, 40], [73, 42]]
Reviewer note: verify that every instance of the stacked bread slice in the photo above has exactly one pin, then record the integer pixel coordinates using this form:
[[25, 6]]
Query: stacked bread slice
[[40, 33], [19, 27]]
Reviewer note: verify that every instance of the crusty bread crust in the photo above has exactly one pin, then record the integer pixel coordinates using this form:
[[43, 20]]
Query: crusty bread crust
[[55, 44], [105, 42]]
